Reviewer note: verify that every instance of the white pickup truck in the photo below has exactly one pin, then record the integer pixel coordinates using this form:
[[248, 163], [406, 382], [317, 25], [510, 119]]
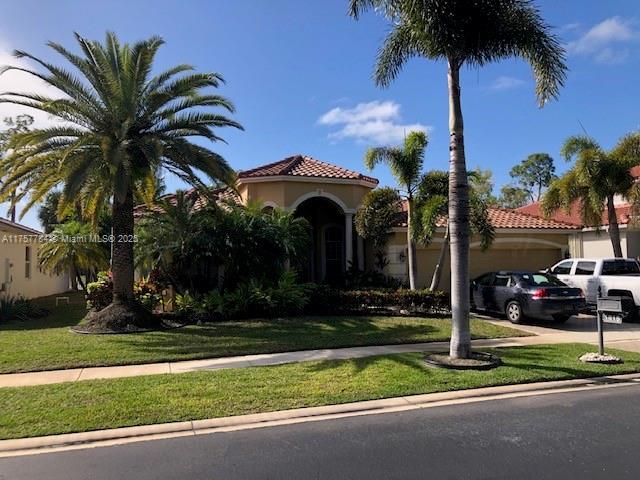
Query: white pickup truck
[[601, 277]]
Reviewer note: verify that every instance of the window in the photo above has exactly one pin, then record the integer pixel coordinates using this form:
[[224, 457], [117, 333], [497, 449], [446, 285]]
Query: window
[[540, 280], [563, 269], [585, 268], [620, 267], [485, 280], [501, 280], [27, 262]]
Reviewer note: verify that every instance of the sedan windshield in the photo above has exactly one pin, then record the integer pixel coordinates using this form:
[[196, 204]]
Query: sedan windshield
[[540, 280]]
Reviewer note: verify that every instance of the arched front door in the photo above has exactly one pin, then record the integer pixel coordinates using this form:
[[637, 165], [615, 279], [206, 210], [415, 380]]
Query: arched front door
[[333, 253]]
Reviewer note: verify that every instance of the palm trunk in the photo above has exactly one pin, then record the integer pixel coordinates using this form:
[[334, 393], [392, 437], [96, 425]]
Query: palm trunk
[[411, 246], [460, 346], [437, 273], [614, 230], [73, 277], [122, 262]]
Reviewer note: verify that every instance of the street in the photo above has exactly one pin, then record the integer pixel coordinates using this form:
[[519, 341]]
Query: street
[[589, 434]]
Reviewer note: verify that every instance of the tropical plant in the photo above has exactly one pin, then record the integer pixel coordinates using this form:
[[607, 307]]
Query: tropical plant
[[481, 182], [475, 34], [432, 205], [21, 123], [534, 173], [594, 181], [375, 218], [120, 124], [512, 196], [405, 163], [19, 308], [72, 249]]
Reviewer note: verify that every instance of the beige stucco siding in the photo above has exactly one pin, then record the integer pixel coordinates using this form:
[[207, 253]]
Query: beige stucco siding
[[597, 244], [510, 251], [14, 280], [287, 194]]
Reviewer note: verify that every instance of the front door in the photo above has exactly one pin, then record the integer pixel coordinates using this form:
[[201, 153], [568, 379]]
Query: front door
[[333, 253]]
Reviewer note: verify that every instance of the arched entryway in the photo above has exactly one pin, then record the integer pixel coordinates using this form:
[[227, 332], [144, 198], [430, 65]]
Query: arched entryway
[[332, 239]]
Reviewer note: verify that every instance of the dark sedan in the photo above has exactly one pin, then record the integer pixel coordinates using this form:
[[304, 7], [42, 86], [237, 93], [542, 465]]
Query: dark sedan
[[526, 294]]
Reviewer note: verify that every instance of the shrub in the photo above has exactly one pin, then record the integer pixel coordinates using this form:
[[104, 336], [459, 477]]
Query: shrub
[[100, 293], [327, 300], [19, 308]]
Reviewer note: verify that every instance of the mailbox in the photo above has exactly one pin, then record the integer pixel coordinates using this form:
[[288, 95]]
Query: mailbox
[[615, 309]]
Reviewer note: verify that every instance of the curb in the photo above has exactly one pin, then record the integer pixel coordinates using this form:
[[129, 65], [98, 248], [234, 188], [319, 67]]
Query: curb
[[118, 436]]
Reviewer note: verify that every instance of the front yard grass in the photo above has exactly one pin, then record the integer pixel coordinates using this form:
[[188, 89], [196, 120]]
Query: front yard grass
[[47, 343], [99, 404]]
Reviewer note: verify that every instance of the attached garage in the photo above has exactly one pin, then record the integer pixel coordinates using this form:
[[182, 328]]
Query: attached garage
[[522, 242]]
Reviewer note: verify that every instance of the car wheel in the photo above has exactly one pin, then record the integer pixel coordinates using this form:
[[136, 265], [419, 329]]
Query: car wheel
[[514, 312], [561, 318]]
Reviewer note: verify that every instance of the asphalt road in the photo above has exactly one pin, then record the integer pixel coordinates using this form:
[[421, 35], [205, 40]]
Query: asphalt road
[[582, 435]]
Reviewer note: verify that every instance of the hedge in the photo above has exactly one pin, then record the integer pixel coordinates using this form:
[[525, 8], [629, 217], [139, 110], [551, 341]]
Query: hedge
[[329, 301]]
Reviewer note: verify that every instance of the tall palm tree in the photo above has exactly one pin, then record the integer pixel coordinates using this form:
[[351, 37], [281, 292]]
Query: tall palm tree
[[405, 163], [119, 123], [594, 181], [433, 205], [72, 251], [461, 33]]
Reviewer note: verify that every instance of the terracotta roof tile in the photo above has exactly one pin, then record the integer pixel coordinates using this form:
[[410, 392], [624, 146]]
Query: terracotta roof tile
[[623, 212], [502, 218], [222, 195], [303, 166]]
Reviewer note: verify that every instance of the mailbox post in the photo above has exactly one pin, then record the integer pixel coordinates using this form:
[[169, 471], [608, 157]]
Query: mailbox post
[[610, 310]]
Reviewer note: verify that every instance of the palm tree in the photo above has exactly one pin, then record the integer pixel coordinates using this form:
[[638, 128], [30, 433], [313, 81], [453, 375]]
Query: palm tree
[[433, 205], [461, 33], [594, 181], [72, 251], [120, 123], [405, 163]]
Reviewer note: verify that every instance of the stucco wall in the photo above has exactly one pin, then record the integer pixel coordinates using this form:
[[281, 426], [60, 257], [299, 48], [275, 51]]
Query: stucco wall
[[13, 271], [510, 251], [598, 244], [285, 194]]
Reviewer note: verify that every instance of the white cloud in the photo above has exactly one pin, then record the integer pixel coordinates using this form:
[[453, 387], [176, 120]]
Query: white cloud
[[506, 83], [15, 81], [377, 122], [606, 41]]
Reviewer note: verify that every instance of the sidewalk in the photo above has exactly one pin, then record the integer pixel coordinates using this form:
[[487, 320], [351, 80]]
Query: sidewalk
[[623, 339]]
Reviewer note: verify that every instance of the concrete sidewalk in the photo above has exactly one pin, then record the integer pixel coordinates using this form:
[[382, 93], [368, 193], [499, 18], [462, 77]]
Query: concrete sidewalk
[[623, 339]]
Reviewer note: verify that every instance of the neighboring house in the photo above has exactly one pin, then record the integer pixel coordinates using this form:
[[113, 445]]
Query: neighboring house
[[329, 196], [592, 242], [19, 271]]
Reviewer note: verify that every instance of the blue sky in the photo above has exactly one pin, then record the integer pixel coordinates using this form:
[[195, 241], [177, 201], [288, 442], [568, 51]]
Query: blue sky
[[299, 73]]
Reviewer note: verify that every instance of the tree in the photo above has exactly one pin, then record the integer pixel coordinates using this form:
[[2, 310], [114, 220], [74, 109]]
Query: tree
[[432, 204], [71, 250], [594, 181], [405, 163], [481, 182], [22, 123], [375, 218], [473, 34], [120, 124], [512, 196], [534, 173]]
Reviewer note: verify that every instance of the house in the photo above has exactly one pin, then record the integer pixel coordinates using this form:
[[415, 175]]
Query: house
[[328, 196], [20, 274]]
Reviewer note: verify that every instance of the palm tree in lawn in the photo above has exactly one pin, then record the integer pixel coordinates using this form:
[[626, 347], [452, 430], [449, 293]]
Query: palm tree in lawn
[[594, 181], [432, 205], [72, 251], [405, 163], [119, 124], [460, 33]]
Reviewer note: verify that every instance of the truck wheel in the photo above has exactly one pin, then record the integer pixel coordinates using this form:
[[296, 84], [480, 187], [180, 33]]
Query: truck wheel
[[514, 312]]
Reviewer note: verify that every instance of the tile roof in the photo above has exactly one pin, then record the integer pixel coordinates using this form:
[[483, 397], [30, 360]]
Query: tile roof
[[503, 218], [623, 212], [222, 196], [303, 166]]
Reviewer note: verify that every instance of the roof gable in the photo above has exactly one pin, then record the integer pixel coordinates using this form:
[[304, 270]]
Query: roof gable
[[304, 166]]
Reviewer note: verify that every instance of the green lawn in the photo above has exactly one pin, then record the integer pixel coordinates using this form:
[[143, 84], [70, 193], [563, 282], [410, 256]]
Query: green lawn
[[98, 404], [47, 343]]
